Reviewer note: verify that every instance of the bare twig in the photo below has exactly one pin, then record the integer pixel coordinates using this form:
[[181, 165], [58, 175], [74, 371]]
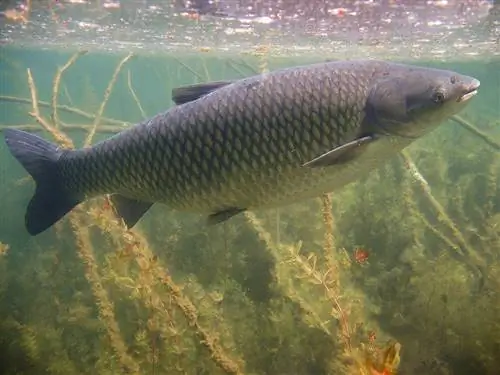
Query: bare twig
[[134, 95], [474, 130], [62, 138], [188, 68], [66, 93], [107, 94], [232, 63], [57, 83], [235, 68], [63, 108], [443, 217], [105, 129], [207, 74]]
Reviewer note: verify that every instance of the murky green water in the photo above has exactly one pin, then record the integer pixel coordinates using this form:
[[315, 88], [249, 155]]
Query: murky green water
[[270, 292]]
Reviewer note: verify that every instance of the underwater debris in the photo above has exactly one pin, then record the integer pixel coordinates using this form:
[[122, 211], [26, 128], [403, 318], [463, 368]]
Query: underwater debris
[[107, 94], [4, 248], [473, 259], [382, 361], [57, 83], [478, 133], [361, 255]]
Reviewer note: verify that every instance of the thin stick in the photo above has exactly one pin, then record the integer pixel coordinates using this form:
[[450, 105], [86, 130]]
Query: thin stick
[[34, 95], [105, 129], [107, 94], [57, 83], [474, 130], [436, 231], [245, 64], [66, 93], [188, 68], [132, 91], [278, 222], [444, 218], [62, 108], [207, 74], [58, 135], [235, 68]]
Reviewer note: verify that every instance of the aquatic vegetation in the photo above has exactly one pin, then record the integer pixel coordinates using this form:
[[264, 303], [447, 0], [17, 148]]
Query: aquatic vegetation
[[274, 292]]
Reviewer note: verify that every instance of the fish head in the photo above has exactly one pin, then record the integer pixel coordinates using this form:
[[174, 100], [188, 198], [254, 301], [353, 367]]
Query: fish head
[[411, 101]]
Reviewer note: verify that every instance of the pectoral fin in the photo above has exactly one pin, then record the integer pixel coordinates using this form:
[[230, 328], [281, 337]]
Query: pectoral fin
[[184, 94], [341, 154], [220, 217], [130, 210]]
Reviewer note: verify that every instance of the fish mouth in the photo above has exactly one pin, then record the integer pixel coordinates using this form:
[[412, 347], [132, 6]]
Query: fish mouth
[[470, 92]]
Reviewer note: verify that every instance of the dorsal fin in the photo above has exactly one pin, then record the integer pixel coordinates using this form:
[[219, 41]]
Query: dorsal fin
[[184, 94]]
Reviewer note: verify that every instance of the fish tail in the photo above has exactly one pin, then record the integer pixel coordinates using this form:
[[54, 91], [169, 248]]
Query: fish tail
[[40, 158]]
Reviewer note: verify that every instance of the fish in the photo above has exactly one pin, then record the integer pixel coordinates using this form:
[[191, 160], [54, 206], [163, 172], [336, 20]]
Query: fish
[[260, 142]]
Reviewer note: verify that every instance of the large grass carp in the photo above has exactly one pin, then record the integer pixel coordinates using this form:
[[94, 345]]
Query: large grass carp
[[259, 142]]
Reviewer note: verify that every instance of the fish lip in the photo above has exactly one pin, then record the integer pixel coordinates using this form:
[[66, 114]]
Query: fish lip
[[470, 91]]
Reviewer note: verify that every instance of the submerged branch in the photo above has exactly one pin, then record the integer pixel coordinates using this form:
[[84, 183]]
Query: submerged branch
[[57, 83], [188, 68], [107, 94], [478, 262], [134, 95], [103, 129], [478, 133], [63, 108], [232, 63], [58, 135]]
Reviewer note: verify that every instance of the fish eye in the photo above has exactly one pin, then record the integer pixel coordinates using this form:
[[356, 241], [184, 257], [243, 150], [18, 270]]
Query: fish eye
[[438, 97]]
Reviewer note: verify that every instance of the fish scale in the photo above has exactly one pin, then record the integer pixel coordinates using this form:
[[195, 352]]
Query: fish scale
[[263, 141], [183, 175]]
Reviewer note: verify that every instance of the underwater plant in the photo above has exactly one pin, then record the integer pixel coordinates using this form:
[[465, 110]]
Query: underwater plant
[[276, 292]]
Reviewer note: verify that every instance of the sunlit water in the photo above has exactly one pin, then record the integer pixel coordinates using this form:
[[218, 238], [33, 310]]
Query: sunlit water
[[362, 28]]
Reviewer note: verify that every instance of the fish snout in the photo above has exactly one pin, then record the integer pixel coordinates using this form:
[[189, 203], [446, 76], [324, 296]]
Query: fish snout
[[469, 88]]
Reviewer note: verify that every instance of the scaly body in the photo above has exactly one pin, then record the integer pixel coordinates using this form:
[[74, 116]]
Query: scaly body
[[241, 146], [244, 145]]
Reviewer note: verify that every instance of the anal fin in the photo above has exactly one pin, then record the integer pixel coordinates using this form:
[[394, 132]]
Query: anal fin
[[130, 210], [221, 216], [341, 154]]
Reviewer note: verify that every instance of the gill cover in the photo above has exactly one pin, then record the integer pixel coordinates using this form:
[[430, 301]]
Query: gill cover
[[387, 102]]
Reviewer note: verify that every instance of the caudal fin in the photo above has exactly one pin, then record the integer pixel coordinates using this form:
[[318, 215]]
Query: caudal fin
[[40, 157]]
